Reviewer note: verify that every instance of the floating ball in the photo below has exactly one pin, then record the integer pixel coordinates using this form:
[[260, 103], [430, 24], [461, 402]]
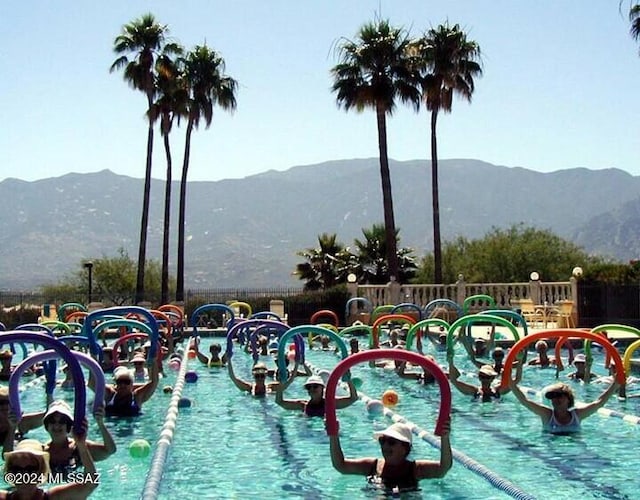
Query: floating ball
[[167, 389], [192, 354], [184, 403], [191, 377], [390, 398], [174, 364], [139, 448], [375, 407], [357, 382]]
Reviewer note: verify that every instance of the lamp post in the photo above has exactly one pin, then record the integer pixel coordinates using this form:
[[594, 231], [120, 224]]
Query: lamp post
[[89, 266]]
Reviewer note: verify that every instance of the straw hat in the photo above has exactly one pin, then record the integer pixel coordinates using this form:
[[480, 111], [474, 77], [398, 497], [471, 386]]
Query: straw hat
[[31, 447]]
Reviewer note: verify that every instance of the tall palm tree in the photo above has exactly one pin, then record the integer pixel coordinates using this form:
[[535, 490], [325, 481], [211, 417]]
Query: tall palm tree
[[325, 266], [170, 104], [207, 86], [449, 63], [373, 72], [634, 18], [142, 40]]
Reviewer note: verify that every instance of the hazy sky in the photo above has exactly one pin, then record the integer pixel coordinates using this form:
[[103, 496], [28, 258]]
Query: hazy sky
[[560, 86]]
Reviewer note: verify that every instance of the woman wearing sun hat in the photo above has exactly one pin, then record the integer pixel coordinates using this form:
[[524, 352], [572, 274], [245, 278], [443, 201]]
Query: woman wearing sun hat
[[314, 406], [63, 452], [28, 465], [123, 399], [394, 471], [258, 387], [485, 392], [563, 417]]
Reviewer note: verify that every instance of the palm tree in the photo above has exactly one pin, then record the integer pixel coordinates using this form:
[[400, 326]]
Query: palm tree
[[326, 266], [207, 86], [374, 71], [449, 63], [634, 18], [142, 39], [169, 105], [371, 262]]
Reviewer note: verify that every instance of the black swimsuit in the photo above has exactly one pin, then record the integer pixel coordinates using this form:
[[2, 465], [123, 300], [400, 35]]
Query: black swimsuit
[[406, 481]]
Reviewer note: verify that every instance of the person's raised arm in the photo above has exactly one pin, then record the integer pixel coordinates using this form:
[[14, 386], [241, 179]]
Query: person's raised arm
[[591, 408], [429, 469], [361, 466], [79, 489], [201, 357], [345, 401], [463, 387], [506, 390], [542, 411], [240, 384], [288, 404], [143, 393], [101, 451]]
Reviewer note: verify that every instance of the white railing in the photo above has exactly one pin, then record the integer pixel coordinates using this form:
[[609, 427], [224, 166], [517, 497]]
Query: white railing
[[503, 293]]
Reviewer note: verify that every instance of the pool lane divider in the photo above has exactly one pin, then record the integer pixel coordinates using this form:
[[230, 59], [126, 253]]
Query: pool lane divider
[[469, 463], [151, 488]]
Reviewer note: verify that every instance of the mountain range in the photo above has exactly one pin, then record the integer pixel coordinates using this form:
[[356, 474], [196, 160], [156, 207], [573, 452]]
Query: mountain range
[[246, 232]]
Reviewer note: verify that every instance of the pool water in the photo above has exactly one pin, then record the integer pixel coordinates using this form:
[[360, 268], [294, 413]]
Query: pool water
[[231, 445]]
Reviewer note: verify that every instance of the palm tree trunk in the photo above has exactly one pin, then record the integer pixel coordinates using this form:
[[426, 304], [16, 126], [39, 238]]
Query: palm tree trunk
[[387, 198], [437, 244], [164, 287], [181, 215], [144, 223]]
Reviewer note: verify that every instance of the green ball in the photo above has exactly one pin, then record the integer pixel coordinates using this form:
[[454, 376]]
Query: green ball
[[139, 448]]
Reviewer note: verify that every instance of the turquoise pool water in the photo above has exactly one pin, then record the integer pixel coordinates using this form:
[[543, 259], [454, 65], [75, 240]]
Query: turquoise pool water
[[230, 445]]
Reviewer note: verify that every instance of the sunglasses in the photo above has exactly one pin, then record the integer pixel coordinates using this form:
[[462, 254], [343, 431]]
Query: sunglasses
[[313, 386], [486, 377], [123, 381], [388, 440], [259, 376], [15, 469], [554, 394]]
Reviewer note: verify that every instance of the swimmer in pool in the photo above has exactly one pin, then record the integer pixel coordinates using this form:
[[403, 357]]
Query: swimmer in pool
[[543, 360], [258, 387], [563, 417], [394, 471], [314, 406], [124, 399], [64, 455], [486, 392], [30, 463]]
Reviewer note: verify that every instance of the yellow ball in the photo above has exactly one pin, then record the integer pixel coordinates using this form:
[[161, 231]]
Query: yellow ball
[[139, 448], [390, 398]]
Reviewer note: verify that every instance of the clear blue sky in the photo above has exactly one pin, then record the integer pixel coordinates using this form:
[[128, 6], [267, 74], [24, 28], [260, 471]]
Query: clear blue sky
[[560, 86]]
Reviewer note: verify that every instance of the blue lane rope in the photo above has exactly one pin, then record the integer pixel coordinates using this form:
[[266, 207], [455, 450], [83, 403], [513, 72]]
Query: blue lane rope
[[154, 476], [469, 463]]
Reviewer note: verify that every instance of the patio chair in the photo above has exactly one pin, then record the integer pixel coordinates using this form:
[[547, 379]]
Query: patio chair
[[532, 315], [566, 314]]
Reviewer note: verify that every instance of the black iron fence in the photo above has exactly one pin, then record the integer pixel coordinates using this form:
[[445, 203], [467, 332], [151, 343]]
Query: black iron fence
[[601, 304]]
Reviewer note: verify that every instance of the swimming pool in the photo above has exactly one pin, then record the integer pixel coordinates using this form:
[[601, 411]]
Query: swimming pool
[[230, 445]]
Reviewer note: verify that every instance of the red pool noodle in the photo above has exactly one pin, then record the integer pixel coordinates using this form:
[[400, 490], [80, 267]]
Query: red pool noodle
[[561, 333], [361, 357]]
